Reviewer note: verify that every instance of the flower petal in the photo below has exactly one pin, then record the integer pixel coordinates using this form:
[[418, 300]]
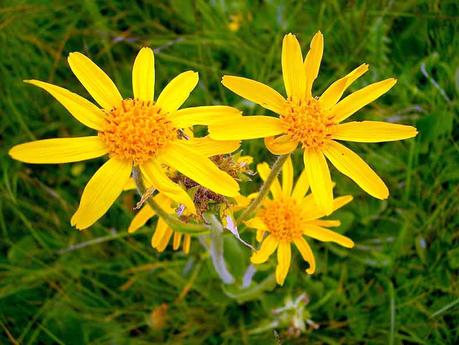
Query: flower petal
[[268, 246], [312, 212], [256, 92], [98, 84], [177, 240], [59, 150], [284, 257], [281, 145], [301, 186], [319, 179], [141, 218], [159, 180], [373, 131], [199, 168], [313, 60], [186, 243], [210, 147], [256, 223], [143, 75], [248, 127], [81, 109], [306, 253], [326, 223], [325, 235], [287, 177], [160, 231], [264, 170], [351, 165], [334, 92], [292, 68], [177, 91], [357, 100], [206, 115], [101, 192]]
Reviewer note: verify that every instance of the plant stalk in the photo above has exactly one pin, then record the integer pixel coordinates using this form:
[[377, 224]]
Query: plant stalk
[[277, 166]]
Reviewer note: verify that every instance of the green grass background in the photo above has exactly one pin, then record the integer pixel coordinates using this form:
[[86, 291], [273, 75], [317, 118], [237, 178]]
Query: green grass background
[[399, 285]]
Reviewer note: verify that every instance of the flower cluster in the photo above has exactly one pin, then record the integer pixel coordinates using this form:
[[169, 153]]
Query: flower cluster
[[151, 145]]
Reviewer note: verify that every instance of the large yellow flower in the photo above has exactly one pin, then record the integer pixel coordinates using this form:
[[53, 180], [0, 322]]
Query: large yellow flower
[[137, 132], [289, 216], [314, 123]]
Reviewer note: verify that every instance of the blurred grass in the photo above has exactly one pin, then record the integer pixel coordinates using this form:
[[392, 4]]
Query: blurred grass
[[399, 285]]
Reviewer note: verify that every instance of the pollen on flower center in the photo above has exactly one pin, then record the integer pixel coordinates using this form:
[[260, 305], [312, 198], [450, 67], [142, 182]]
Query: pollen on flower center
[[136, 130], [305, 122], [283, 218]]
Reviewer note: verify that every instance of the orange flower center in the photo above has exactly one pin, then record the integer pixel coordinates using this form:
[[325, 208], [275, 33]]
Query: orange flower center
[[305, 122], [136, 130], [284, 219]]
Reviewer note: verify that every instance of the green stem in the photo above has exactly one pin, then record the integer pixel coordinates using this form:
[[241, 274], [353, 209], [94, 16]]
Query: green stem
[[175, 223], [264, 188]]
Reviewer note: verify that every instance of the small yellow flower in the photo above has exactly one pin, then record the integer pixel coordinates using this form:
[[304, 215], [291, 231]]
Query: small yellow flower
[[133, 132], [163, 232], [314, 123], [288, 217]]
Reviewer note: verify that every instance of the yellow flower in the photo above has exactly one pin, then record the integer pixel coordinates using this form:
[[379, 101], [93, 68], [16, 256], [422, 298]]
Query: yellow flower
[[288, 217], [163, 232], [136, 132], [314, 123]]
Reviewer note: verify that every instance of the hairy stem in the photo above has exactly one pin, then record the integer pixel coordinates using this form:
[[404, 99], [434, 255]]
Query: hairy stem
[[277, 166], [171, 220]]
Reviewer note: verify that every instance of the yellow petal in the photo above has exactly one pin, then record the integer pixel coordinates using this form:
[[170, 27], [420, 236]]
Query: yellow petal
[[307, 254], [177, 91], [141, 218], [199, 168], [284, 256], [256, 92], [101, 192], [143, 75], [260, 235], [319, 179], [159, 233], [59, 150], [177, 240], [281, 145], [292, 68], [357, 100], [334, 92], [98, 84], [81, 109], [264, 170], [164, 240], [186, 243], [210, 147], [248, 127], [325, 235], [206, 115], [326, 223], [301, 186], [159, 180], [287, 177], [312, 211], [351, 165], [313, 60], [373, 131], [268, 246], [255, 223]]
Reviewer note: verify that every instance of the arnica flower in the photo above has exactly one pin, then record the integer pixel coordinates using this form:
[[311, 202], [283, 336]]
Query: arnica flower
[[288, 217], [137, 132], [314, 123], [163, 232]]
